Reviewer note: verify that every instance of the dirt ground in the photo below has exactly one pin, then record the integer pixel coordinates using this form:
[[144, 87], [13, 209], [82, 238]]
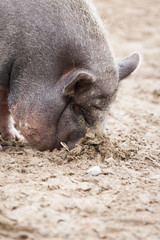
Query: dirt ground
[[47, 195]]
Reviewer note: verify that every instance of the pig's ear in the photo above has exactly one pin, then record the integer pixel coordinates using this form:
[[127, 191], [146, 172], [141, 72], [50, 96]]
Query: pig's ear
[[128, 65], [79, 81]]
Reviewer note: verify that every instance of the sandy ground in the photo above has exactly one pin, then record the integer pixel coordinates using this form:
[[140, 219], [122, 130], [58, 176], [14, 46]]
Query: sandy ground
[[50, 196]]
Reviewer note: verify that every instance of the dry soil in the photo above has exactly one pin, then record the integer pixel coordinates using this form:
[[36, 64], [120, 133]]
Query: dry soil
[[49, 196]]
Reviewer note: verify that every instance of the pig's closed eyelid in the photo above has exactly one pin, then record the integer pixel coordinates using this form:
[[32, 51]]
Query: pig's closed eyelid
[[77, 109]]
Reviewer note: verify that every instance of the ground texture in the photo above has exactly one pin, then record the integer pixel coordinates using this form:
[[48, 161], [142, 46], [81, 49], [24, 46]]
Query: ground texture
[[50, 196]]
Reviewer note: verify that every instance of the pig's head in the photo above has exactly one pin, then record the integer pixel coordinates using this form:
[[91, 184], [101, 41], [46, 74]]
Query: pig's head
[[90, 97], [80, 99]]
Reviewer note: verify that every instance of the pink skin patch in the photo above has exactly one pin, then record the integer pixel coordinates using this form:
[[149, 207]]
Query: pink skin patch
[[34, 128]]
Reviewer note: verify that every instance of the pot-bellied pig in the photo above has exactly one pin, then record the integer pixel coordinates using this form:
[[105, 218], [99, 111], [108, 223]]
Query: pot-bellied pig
[[57, 73]]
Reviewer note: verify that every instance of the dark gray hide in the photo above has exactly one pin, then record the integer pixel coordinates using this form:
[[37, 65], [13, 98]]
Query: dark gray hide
[[57, 73]]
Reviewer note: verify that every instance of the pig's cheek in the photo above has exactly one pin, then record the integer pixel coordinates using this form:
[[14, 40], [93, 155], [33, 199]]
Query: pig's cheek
[[32, 131], [35, 129], [39, 135]]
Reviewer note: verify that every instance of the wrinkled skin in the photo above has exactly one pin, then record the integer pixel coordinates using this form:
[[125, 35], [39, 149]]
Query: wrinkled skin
[[57, 73]]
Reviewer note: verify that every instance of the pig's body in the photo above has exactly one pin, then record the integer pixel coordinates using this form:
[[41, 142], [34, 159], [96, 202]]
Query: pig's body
[[57, 72]]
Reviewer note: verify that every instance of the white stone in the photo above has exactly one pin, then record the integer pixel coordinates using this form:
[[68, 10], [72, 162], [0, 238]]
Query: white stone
[[109, 160], [40, 164], [94, 171]]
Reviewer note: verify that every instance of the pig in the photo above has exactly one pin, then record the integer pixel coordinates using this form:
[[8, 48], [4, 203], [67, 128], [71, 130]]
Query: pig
[[58, 75]]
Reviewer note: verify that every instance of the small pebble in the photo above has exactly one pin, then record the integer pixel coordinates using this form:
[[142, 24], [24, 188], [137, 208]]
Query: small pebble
[[40, 164], [149, 209], [109, 160], [23, 170], [1, 148], [13, 162], [94, 171]]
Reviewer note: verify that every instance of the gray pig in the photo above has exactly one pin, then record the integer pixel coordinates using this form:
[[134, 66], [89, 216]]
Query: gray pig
[[57, 73]]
